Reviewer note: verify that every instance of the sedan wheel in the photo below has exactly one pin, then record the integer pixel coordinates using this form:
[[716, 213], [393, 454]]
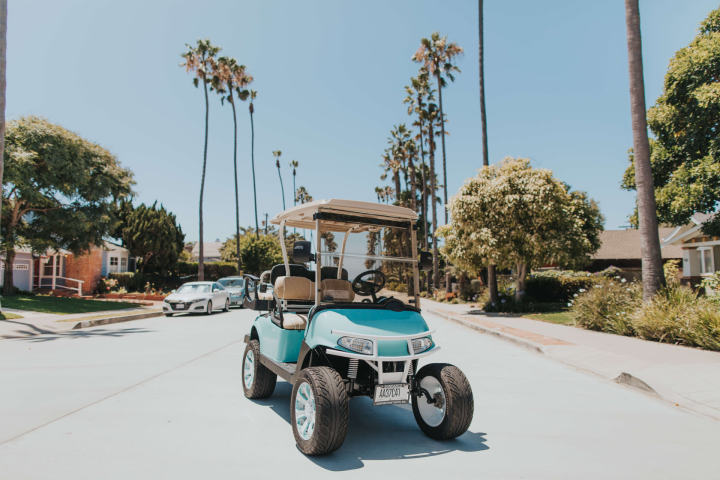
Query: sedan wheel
[[227, 305], [209, 308]]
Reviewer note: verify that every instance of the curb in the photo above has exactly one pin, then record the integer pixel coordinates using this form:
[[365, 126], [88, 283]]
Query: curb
[[108, 321], [529, 344]]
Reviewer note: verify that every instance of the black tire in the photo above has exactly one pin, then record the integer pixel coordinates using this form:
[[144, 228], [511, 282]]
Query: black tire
[[264, 380], [331, 411], [227, 305], [459, 406], [209, 308], [168, 314]]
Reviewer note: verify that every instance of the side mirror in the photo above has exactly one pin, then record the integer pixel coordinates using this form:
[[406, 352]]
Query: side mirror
[[301, 252], [263, 288], [426, 261], [215, 290]]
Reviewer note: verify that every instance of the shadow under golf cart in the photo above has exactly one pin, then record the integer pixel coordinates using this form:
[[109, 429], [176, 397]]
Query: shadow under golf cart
[[388, 432]]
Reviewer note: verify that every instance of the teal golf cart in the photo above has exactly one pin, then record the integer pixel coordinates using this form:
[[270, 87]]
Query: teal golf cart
[[332, 330]]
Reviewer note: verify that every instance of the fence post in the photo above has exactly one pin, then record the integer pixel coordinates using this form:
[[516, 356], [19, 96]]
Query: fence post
[[54, 272]]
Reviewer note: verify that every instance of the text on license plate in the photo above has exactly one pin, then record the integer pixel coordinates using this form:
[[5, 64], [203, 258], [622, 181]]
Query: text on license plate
[[391, 394], [179, 306]]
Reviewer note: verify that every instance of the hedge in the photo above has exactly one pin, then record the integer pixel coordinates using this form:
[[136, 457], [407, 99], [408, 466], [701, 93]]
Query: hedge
[[561, 286]]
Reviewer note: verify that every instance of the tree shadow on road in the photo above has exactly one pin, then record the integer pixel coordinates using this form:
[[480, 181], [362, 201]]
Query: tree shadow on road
[[35, 337], [387, 432]]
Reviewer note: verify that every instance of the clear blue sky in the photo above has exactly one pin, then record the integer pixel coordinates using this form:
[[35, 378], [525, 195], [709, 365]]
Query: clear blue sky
[[330, 78]]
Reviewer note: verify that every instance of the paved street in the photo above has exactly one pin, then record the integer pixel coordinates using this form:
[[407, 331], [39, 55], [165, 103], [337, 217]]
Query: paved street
[[162, 398]]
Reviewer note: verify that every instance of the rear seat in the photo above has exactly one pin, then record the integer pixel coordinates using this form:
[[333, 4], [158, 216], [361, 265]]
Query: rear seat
[[294, 288]]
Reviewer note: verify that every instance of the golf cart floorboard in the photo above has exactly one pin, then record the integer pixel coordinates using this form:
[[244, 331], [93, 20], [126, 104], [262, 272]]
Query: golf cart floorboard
[[282, 369]]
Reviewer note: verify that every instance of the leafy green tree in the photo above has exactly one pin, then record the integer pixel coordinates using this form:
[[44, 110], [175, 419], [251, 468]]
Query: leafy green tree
[[685, 155], [232, 78], [253, 96], [3, 83], [260, 253], [200, 59], [58, 191], [154, 237], [514, 216]]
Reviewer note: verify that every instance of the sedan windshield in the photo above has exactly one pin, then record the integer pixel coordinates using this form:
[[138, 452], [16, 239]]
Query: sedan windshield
[[194, 289], [231, 282]]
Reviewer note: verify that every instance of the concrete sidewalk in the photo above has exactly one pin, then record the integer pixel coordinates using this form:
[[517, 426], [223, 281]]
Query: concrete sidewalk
[[38, 323], [688, 377]]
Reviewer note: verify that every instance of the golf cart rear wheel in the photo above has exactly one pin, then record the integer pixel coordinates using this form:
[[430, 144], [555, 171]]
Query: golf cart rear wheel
[[258, 380], [452, 412], [319, 411]]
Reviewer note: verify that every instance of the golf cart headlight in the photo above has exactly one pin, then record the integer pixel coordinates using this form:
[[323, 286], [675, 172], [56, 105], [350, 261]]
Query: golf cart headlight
[[421, 344], [359, 345], [198, 300]]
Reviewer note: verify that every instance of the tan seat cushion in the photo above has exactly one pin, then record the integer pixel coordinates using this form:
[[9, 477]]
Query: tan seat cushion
[[339, 290], [294, 321], [294, 288]]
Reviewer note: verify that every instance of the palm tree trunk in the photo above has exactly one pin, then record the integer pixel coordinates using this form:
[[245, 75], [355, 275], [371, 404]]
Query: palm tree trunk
[[237, 201], [201, 259], [652, 266], [491, 275], [436, 266], [448, 285], [252, 160], [282, 189], [424, 188], [413, 185], [3, 84]]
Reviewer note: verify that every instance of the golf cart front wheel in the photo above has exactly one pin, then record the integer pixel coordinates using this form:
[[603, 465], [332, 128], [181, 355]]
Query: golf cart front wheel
[[258, 380], [319, 411], [451, 411]]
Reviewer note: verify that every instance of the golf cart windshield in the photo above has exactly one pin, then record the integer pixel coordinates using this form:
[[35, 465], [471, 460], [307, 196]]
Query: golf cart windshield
[[362, 252]]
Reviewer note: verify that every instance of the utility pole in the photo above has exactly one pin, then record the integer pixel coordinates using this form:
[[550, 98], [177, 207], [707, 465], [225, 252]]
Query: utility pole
[[265, 223]]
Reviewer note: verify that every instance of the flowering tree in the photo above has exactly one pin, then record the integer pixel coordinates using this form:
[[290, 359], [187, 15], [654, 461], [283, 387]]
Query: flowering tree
[[514, 216]]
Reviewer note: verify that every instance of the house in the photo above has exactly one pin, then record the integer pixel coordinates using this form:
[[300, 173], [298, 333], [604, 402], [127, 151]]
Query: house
[[700, 252], [621, 248], [64, 271], [211, 251]]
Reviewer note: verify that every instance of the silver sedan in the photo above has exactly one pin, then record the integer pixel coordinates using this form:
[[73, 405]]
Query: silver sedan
[[197, 297]]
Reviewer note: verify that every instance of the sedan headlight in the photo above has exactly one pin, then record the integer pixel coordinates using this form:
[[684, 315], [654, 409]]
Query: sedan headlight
[[198, 300], [359, 345], [421, 344], [166, 300]]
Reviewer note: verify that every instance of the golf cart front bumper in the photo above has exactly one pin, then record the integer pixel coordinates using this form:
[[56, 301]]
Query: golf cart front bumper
[[376, 361]]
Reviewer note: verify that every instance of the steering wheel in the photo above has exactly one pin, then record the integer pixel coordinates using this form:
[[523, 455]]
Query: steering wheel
[[365, 288]]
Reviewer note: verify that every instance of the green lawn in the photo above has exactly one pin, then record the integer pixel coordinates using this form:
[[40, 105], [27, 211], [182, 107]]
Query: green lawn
[[9, 316], [61, 305], [561, 317]]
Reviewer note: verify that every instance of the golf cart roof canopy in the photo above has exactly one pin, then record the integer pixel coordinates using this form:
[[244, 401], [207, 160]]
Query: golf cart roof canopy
[[342, 215]]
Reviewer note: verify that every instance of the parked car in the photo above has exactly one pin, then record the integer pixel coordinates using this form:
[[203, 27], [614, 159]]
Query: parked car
[[197, 297], [334, 339], [234, 286]]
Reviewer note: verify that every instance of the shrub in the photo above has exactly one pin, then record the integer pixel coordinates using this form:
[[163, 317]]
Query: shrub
[[557, 286], [450, 296], [677, 315], [607, 306], [213, 270]]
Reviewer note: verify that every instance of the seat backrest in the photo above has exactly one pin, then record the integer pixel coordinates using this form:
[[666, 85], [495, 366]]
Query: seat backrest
[[295, 271], [338, 290], [294, 288], [330, 273]]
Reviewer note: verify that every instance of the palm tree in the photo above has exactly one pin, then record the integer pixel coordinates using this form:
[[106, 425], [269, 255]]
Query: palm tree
[[200, 60], [229, 76], [3, 84], [652, 265], [302, 196], [432, 117], [491, 275], [294, 164], [253, 95], [277, 154], [437, 55]]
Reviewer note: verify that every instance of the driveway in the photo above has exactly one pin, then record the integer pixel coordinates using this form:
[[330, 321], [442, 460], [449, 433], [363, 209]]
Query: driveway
[[162, 398]]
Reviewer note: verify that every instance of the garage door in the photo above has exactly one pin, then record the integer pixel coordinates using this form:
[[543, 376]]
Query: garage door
[[21, 274]]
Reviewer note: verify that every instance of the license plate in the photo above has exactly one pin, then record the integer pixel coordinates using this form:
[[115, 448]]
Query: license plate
[[392, 394], [179, 306]]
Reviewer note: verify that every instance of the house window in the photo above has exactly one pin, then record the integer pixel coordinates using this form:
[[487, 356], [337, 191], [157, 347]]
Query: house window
[[123, 264], [706, 261], [114, 264], [48, 267]]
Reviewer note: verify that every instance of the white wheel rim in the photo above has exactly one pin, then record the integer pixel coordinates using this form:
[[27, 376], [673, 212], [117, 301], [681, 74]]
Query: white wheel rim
[[249, 369], [305, 411], [431, 414]]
